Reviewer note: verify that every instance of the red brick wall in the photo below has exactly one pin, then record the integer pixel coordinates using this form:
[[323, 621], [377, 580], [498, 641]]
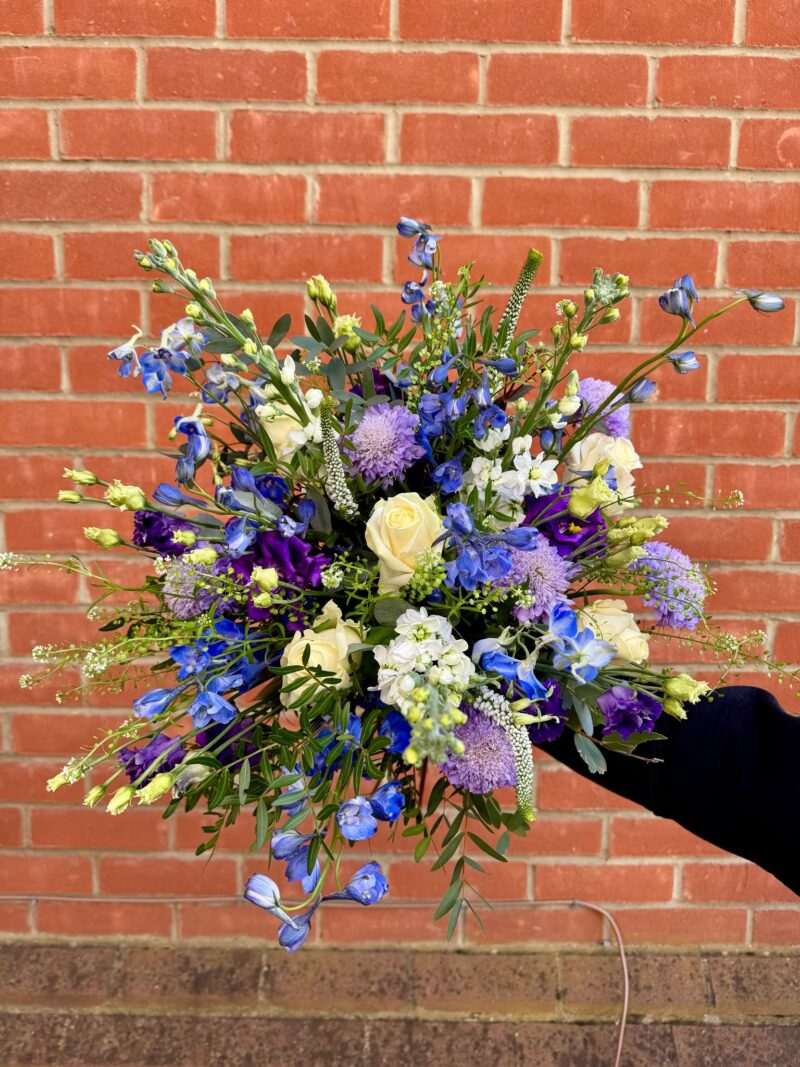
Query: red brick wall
[[273, 138]]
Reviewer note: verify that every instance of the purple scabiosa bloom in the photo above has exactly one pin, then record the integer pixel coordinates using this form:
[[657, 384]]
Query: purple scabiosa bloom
[[153, 530], [487, 762], [551, 730], [385, 444], [593, 393], [627, 712], [674, 586], [547, 575], [186, 593], [568, 535], [137, 761]]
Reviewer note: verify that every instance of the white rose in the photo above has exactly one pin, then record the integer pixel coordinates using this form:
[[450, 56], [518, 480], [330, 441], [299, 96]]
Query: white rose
[[327, 650], [397, 531], [611, 621], [619, 452], [284, 428]]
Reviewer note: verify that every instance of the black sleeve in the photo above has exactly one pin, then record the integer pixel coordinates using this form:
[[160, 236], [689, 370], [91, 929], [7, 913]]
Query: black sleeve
[[730, 774]]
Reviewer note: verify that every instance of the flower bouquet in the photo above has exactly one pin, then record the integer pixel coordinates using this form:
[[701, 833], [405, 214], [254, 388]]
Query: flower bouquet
[[392, 559]]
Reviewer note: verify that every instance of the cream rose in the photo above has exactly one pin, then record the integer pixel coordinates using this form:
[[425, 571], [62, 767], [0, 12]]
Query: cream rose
[[611, 621], [327, 650], [619, 452], [397, 531], [284, 428]]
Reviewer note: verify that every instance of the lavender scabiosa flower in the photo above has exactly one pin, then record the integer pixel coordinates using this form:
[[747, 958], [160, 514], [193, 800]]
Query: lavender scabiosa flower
[[628, 712], [674, 585], [594, 392], [384, 446], [487, 762], [547, 574]]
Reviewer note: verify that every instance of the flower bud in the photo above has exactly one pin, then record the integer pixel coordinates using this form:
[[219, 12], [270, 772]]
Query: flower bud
[[184, 537], [584, 499], [764, 302], [556, 330], [573, 384], [80, 477], [263, 600], [412, 756], [121, 800], [588, 296], [568, 405], [206, 555], [56, 782], [683, 687], [104, 538], [144, 262], [610, 315], [250, 348], [69, 496], [126, 497], [156, 788], [94, 796], [266, 578], [546, 376], [318, 288], [194, 310], [620, 280], [675, 709], [207, 286], [160, 248], [247, 316], [160, 286], [578, 341], [569, 309]]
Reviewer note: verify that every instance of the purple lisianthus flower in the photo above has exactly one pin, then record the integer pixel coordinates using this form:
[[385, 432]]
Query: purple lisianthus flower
[[137, 761], [628, 712], [296, 563], [153, 530], [547, 574], [487, 762], [542, 732], [549, 514], [385, 444], [674, 586], [594, 392], [233, 738]]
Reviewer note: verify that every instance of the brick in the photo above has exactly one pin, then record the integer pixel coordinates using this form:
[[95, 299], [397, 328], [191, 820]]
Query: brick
[[224, 74], [228, 198], [648, 261], [302, 137], [567, 80], [32, 873], [45, 195], [676, 23], [138, 134], [335, 974], [235, 918], [491, 140], [488, 983], [166, 876], [655, 837], [345, 925], [636, 141], [496, 258], [563, 790], [43, 693], [682, 926], [772, 23], [560, 837], [725, 205], [771, 263], [763, 487], [503, 881], [31, 476], [790, 540], [346, 19], [779, 926], [135, 18], [24, 781], [38, 585], [10, 828], [711, 882], [671, 647], [24, 134], [560, 202], [26, 256], [590, 984], [80, 422], [22, 17], [787, 642], [382, 198], [58, 733], [756, 590], [613, 884], [768, 144], [267, 306], [93, 829], [535, 924], [666, 431], [68, 312], [14, 917], [758, 377], [103, 918], [741, 326], [51, 72], [734, 537], [399, 78], [115, 261], [758, 82], [295, 256], [754, 985], [478, 20], [63, 627]]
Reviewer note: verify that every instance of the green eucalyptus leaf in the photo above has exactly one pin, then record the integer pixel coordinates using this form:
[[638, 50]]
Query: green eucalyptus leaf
[[591, 755]]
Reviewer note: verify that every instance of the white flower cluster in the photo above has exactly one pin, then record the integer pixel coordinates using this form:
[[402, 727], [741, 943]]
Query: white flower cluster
[[529, 475], [424, 673]]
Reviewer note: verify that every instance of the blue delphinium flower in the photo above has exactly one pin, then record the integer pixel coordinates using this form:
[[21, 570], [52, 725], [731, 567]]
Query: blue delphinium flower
[[552, 729], [366, 887], [196, 449], [264, 893], [292, 847], [209, 706], [218, 384], [574, 649], [683, 362], [425, 241], [169, 496], [356, 820], [764, 302], [681, 299], [397, 728], [491, 656], [148, 705], [387, 802], [413, 294], [348, 741], [640, 391], [293, 936], [627, 711], [448, 475]]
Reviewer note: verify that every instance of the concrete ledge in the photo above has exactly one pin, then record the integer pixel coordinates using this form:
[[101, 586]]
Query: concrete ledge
[[100, 1003]]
